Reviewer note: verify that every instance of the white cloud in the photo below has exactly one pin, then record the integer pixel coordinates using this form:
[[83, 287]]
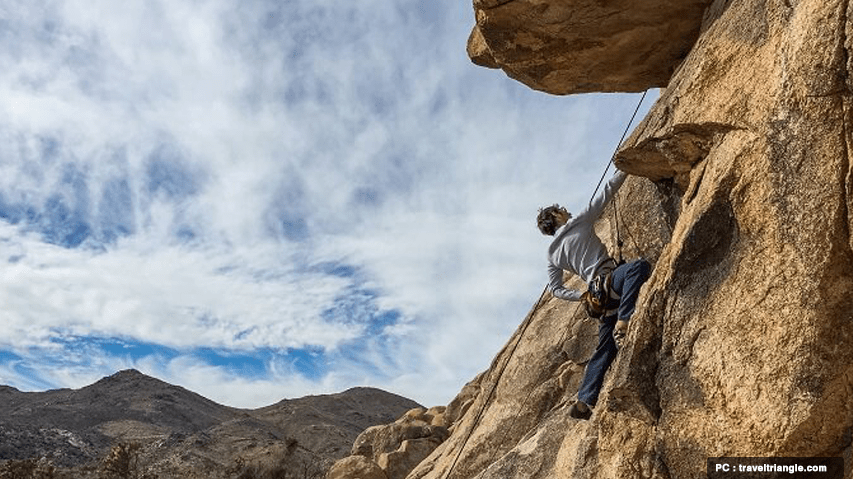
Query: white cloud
[[171, 295]]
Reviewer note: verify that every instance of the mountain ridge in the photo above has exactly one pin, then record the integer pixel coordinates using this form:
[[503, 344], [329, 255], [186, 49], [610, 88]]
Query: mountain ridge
[[73, 428]]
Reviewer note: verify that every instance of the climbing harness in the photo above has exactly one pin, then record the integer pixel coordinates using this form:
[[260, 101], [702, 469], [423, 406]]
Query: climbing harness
[[536, 307], [600, 299]]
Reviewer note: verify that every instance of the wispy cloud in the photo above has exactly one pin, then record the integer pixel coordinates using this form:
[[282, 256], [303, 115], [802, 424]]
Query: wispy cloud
[[262, 199]]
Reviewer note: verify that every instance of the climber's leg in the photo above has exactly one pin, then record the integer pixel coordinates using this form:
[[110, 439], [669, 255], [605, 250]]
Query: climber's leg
[[627, 280], [599, 362]]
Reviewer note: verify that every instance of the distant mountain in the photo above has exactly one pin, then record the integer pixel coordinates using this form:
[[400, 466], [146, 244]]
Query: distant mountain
[[314, 420], [175, 432]]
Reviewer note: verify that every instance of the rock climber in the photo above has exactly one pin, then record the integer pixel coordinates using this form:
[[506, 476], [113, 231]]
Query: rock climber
[[577, 249]]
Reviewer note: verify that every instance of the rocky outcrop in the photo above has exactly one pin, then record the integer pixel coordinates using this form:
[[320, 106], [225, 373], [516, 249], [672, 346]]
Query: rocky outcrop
[[576, 46], [355, 467], [395, 449], [742, 343]]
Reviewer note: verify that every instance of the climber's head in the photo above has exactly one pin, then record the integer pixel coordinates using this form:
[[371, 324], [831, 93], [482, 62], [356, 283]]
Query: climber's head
[[551, 218]]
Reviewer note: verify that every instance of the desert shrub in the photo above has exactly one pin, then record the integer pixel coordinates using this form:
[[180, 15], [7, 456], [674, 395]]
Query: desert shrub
[[288, 466], [27, 469], [122, 462], [299, 469]]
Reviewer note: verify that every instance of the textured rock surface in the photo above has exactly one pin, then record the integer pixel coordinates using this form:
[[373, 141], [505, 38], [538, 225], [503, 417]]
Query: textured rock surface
[[742, 343], [355, 467], [398, 447], [752, 301], [574, 46]]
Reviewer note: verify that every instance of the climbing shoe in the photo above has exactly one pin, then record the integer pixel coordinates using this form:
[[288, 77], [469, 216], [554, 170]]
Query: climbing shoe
[[619, 332], [579, 410]]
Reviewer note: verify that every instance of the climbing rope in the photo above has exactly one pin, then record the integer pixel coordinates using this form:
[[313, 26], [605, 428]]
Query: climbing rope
[[619, 259], [527, 322], [627, 231], [613, 157], [530, 390], [604, 175], [532, 313]]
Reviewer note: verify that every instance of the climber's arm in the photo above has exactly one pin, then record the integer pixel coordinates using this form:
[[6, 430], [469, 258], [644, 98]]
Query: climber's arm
[[555, 285], [596, 206]]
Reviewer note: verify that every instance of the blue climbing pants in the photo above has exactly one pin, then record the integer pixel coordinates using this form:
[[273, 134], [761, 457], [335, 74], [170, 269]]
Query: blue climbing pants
[[627, 280]]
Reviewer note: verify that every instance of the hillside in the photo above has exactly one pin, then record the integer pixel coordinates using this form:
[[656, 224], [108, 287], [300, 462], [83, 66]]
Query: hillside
[[742, 343], [180, 433]]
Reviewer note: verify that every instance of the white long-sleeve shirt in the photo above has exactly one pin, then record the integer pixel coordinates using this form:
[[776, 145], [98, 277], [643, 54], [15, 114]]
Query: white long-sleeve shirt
[[576, 248]]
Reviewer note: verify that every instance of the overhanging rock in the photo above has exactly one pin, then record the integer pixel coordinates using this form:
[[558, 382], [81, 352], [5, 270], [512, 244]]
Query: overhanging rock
[[580, 46]]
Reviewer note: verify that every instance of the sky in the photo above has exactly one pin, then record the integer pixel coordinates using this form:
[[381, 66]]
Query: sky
[[266, 199]]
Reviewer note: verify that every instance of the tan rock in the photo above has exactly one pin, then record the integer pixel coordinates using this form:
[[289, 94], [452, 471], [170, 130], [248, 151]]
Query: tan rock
[[756, 332], [377, 440], [417, 415], [524, 395], [355, 467], [363, 445], [400, 446], [438, 416], [399, 463], [479, 52], [460, 404], [575, 46]]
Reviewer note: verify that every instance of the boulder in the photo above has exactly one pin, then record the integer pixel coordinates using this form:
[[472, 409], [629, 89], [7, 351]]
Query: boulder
[[399, 463], [577, 46], [355, 467], [398, 447]]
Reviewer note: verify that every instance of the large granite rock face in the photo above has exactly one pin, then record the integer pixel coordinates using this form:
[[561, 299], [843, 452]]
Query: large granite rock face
[[742, 342], [752, 300], [576, 46]]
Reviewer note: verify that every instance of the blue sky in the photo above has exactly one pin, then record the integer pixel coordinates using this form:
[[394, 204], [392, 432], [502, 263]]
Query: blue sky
[[260, 200]]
